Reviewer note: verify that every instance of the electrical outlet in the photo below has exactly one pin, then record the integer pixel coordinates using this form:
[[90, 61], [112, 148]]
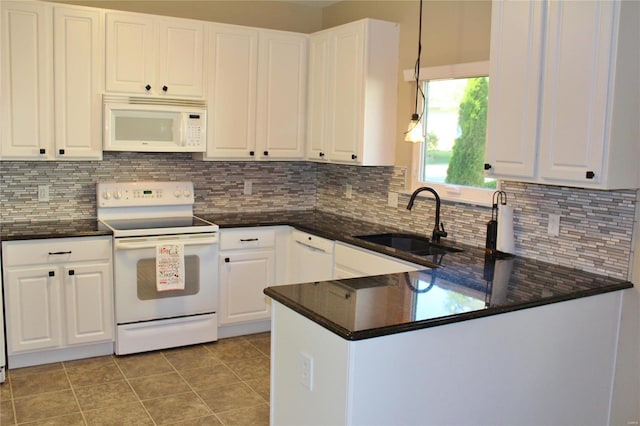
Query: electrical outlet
[[392, 199], [248, 187], [306, 370], [553, 227], [348, 191], [43, 192]]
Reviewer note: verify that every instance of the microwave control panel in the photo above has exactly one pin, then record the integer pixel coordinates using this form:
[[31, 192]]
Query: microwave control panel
[[194, 132]]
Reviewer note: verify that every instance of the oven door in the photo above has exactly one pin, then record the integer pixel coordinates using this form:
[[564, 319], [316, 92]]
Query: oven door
[[137, 297]]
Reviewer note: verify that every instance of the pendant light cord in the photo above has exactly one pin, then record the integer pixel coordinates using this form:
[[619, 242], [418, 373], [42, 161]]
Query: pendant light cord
[[417, 66]]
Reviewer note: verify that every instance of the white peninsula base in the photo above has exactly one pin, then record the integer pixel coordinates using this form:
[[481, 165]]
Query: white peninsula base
[[551, 365]]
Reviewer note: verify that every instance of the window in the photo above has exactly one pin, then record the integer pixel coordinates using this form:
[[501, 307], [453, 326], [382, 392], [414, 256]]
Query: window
[[454, 119]]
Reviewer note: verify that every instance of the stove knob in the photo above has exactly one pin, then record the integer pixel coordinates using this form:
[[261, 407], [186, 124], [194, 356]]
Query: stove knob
[[186, 193], [177, 194], [106, 195], [117, 195]]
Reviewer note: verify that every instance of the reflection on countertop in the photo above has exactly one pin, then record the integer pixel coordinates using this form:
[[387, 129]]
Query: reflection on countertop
[[361, 308]]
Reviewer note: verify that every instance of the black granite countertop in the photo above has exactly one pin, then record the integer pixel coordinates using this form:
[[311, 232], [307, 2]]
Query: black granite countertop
[[457, 287], [33, 230], [334, 227], [397, 303]]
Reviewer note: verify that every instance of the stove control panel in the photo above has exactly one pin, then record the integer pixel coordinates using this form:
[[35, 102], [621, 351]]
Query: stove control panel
[[144, 194]]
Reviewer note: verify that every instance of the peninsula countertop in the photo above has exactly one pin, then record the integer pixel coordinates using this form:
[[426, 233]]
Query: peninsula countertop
[[453, 287]]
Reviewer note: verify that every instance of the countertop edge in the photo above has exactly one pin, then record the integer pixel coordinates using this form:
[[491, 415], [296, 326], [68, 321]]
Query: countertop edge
[[435, 322]]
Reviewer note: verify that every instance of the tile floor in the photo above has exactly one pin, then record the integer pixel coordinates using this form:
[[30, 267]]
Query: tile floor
[[220, 383]]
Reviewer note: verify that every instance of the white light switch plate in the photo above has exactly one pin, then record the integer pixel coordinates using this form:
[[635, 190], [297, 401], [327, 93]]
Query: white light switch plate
[[43, 192], [392, 200], [553, 228], [248, 187]]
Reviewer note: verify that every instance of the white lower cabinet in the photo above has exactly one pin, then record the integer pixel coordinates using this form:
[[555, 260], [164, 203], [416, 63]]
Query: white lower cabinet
[[254, 258], [351, 262], [59, 296], [243, 277], [247, 266]]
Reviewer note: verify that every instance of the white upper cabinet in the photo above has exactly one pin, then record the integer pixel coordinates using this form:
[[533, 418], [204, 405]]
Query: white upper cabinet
[[282, 95], [585, 101], [317, 108], [27, 85], [78, 59], [154, 55], [516, 69], [256, 94], [353, 93], [51, 82], [231, 92]]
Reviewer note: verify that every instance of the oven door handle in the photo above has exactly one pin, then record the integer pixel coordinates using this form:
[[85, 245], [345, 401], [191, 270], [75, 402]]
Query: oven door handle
[[142, 243]]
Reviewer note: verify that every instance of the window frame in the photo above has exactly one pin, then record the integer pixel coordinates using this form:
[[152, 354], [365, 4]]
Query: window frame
[[456, 193]]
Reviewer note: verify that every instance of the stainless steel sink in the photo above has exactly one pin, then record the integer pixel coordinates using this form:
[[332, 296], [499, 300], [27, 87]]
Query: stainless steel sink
[[410, 243]]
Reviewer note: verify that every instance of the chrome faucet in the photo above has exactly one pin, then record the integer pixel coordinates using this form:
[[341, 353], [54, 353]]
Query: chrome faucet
[[438, 229]]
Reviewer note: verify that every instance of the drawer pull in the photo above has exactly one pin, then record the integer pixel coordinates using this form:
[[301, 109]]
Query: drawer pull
[[52, 273], [244, 240], [72, 272], [56, 253], [227, 260]]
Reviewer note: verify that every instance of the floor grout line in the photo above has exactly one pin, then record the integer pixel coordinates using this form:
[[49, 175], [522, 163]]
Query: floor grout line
[[220, 359]]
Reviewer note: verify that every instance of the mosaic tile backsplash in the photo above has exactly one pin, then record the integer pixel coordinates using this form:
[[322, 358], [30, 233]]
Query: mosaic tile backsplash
[[596, 227]]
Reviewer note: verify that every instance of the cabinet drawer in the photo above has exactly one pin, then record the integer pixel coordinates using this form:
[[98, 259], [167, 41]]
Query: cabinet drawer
[[234, 239], [55, 250]]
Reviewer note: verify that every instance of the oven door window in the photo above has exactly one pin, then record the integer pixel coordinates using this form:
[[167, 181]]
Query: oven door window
[[147, 279]]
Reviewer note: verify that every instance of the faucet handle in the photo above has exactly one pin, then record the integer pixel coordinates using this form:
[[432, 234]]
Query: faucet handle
[[442, 232]]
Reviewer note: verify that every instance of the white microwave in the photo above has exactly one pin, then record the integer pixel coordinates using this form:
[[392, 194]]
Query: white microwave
[[154, 124]]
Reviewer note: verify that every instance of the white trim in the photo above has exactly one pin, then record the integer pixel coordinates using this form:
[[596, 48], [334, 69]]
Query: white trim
[[463, 70]]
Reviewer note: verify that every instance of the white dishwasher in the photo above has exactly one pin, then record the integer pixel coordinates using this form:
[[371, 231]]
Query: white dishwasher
[[311, 258]]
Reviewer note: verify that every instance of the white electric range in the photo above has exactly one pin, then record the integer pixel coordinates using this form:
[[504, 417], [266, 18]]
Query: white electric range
[[165, 265]]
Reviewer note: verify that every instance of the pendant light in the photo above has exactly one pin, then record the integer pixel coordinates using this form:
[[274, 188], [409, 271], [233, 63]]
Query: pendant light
[[414, 132]]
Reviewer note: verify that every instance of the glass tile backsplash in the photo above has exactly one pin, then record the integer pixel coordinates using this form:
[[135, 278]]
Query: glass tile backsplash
[[596, 227]]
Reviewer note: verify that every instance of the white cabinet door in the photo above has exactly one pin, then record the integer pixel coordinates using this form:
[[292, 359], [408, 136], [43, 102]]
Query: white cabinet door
[[560, 108], [282, 90], [516, 54], [346, 92], [243, 277], [88, 294], [360, 81], [27, 129], [32, 298], [78, 56], [317, 102], [231, 93], [576, 90], [181, 57], [130, 53]]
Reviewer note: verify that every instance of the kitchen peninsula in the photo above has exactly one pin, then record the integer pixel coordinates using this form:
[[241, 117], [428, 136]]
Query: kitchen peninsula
[[478, 341]]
